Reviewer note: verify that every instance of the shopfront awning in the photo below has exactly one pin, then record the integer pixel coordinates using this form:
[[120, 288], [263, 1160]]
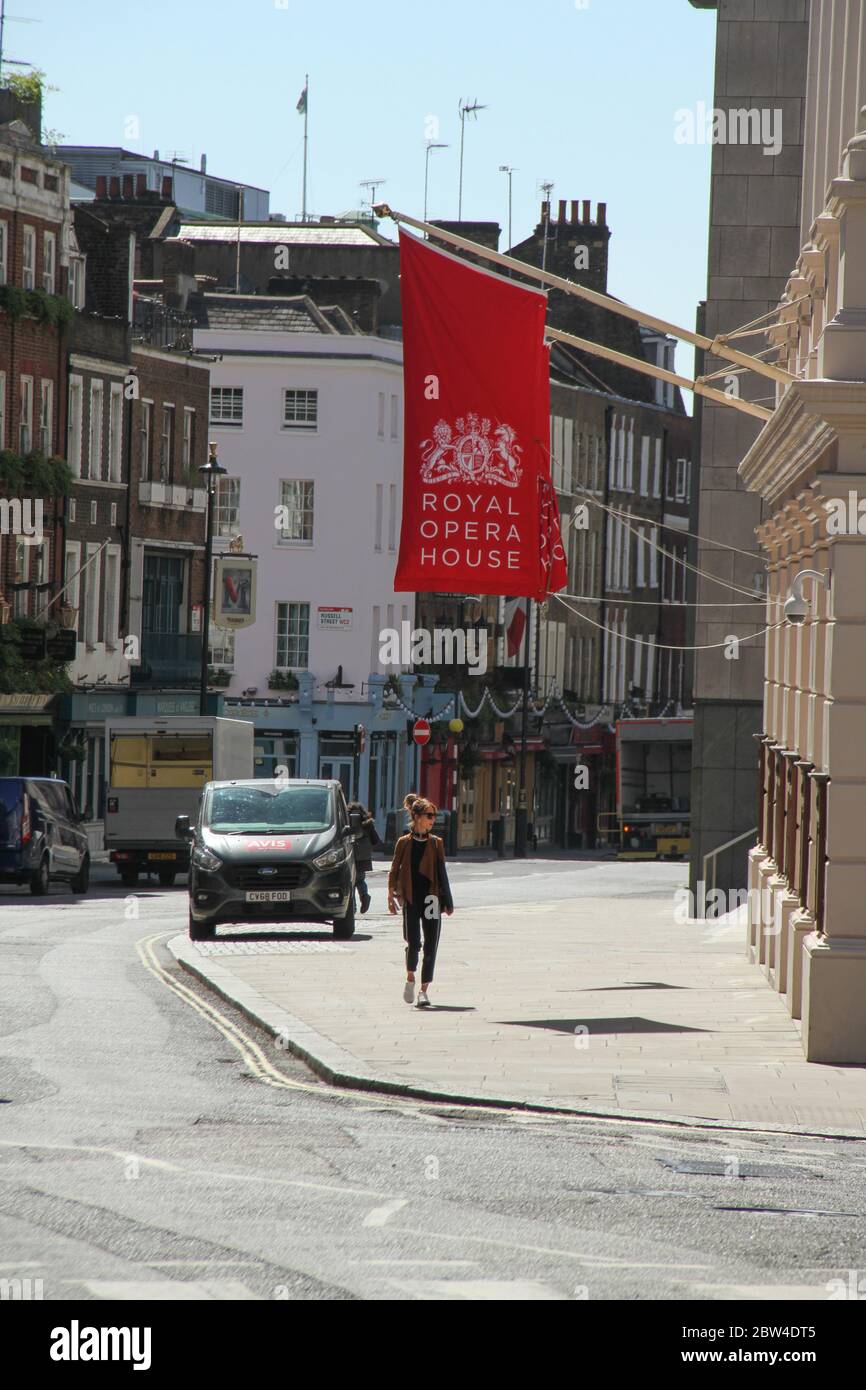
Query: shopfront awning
[[27, 709]]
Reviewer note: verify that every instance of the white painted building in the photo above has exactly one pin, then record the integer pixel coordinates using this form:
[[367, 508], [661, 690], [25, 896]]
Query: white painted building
[[307, 415]]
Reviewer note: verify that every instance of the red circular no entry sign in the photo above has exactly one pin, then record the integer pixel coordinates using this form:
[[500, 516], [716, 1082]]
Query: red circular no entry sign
[[421, 731]]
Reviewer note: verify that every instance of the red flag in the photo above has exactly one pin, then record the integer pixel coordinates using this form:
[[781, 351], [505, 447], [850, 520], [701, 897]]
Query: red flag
[[515, 622], [553, 563], [476, 389]]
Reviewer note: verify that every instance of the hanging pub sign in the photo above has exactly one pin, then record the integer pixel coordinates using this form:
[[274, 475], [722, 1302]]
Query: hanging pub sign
[[234, 595]]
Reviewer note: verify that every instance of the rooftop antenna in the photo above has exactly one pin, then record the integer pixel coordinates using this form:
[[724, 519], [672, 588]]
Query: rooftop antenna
[[467, 108], [509, 170], [13, 19], [546, 188], [372, 185]]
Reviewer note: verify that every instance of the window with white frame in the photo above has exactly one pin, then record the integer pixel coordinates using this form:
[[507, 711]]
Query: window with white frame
[[188, 439], [296, 511], [73, 425], [71, 509], [111, 596], [221, 647], [21, 602], [2, 410], [228, 506], [629, 457], [145, 440], [166, 443], [76, 281], [657, 469], [293, 636], [93, 566], [380, 508], [681, 480], [644, 465], [25, 415], [640, 568], [46, 417], [94, 439], [41, 572], [28, 249], [115, 432], [300, 409], [4, 251], [71, 578], [227, 405], [395, 416], [392, 517], [381, 415], [49, 257], [654, 557]]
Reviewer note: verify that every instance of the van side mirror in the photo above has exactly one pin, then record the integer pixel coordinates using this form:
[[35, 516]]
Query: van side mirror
[[355, 821], [182, 828]]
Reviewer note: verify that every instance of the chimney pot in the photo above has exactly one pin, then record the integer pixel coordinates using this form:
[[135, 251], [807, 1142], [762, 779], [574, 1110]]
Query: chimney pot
[[101, 186], [204, 164], [563, 204], [156, 155], [602, 214], [587, 210], [545, 211], [575, 215]]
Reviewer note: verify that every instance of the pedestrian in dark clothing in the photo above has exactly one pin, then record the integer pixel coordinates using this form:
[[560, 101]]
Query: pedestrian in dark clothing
[[365, 839], [418, 882]]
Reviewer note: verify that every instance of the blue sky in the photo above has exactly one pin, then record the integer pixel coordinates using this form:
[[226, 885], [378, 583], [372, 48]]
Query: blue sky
[[583, 94]]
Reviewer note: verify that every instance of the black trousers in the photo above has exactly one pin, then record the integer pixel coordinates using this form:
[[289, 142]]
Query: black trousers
[[416, 925]]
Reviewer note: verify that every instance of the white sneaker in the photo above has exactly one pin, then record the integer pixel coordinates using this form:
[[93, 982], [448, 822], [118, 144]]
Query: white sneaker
[[423, 1001], [409, 991]]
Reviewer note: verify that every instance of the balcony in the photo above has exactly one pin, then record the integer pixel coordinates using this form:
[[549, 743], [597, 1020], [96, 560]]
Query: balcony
[[157, 326], [179, 496], [168, 659]]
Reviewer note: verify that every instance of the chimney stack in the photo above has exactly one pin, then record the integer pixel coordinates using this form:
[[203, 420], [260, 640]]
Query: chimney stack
[[574, 210], [602, 214], [562, 206], [204, 164]]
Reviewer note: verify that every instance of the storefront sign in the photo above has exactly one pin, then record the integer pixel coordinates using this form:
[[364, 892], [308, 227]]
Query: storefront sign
[[234, 598]]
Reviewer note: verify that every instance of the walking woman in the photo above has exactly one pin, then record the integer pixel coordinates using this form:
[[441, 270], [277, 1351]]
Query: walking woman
[[365, 839], [418, 882]]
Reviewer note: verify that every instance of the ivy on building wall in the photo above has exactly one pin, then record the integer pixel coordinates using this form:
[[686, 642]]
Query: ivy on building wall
[[18, 677], [53, 309], [47, 477]]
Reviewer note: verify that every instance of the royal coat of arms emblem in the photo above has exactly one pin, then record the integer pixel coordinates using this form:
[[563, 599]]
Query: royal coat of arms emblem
[[466, 452]]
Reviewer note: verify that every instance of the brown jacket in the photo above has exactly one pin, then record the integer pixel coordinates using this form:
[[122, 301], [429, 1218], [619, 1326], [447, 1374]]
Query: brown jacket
[[432, 868]]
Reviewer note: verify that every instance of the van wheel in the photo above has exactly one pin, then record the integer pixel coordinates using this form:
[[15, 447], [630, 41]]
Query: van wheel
[[167, 877], [201, 931], [81, 881], [344, 927], [129, 876], [40, 881]]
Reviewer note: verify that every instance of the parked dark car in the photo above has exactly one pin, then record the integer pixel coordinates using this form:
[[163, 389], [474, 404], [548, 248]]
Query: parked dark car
[[278, 850], [41, 835]]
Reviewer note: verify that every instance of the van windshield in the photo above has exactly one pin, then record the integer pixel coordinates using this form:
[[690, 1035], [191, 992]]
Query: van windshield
[[234, 810]]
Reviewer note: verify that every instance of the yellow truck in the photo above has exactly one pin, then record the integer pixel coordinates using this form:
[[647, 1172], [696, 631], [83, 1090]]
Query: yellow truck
[[157, 769]]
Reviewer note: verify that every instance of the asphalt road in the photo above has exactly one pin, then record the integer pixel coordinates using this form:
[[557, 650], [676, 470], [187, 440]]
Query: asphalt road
[[143, 1154]]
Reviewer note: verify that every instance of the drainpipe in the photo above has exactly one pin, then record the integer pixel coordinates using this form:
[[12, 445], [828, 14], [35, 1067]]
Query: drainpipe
[[608, 427]]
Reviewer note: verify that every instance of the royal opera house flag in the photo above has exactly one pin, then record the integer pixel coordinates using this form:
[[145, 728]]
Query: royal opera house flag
[[479, 511]]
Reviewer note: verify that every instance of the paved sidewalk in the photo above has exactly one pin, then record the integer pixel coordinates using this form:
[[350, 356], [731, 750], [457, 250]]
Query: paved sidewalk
[[604, 1005]]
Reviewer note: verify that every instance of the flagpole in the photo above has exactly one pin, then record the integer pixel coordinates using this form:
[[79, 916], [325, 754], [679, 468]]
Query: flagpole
[[719, 347], [306, 125], [520, 836]]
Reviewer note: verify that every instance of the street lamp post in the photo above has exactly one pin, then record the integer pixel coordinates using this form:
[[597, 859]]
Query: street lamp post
[[210, 471], [431, 145]]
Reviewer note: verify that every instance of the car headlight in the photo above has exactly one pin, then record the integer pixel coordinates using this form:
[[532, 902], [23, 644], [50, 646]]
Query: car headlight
[[203, 859], [338, 855]]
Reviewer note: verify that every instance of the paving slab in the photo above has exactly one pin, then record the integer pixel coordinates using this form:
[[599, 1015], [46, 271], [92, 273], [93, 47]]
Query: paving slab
[[597, 1005]]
